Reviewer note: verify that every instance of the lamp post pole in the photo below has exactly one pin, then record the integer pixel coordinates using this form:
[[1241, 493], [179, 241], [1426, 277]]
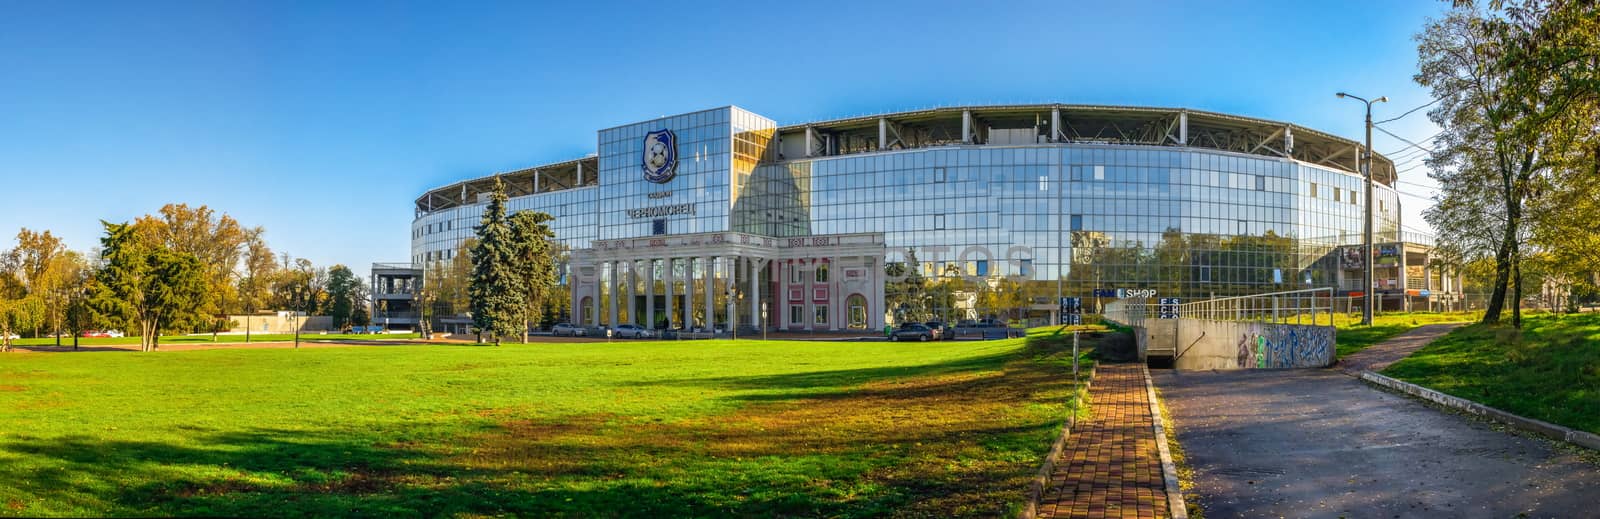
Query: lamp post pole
[[1366, 221]]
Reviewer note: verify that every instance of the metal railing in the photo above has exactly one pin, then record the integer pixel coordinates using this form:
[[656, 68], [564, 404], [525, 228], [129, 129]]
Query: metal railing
[[1311, 306], [1126, 313]]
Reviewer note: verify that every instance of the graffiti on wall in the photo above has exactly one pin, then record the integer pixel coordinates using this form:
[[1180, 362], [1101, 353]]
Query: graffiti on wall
[[1266, 345]]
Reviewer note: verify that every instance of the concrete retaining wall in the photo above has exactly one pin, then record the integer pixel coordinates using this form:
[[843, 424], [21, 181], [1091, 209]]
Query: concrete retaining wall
[[1205, 344]]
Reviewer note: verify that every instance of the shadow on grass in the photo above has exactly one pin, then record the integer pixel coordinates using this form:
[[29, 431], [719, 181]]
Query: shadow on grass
[[950, 439]]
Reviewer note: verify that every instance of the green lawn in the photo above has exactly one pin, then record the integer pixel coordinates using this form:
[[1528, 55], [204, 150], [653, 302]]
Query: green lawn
[[702, 428], [1353, 337], [1549, 371], [206, 339]]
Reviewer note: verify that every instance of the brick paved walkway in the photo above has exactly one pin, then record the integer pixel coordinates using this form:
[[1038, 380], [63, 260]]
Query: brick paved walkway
[[1110, 467]]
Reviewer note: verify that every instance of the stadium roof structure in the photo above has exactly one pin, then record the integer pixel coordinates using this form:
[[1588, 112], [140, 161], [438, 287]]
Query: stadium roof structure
[[987, 125]]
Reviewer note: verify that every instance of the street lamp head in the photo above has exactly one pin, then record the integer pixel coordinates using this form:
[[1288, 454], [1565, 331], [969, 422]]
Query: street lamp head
[[1341, 95], [1383, 99]]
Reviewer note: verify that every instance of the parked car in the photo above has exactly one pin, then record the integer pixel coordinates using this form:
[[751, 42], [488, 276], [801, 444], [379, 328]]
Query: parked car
[[114, 333], [90, 334], [944, 331], [631, 331], [566, 330], [13, 336], [914, 332]]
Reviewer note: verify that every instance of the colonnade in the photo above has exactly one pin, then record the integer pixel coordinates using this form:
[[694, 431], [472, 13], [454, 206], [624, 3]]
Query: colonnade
[[616, 302]]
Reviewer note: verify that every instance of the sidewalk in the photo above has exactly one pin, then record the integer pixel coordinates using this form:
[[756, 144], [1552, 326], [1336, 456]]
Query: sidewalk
[[1110, 467], [1381, 355]]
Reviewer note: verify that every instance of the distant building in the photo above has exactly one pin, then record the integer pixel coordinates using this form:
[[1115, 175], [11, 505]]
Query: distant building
[[279, 322], [723, 218], [394, 290]]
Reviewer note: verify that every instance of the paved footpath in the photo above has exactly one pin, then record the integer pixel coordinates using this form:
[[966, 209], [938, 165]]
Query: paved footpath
[[1110, 466], [1319, 443], [1381, 355]]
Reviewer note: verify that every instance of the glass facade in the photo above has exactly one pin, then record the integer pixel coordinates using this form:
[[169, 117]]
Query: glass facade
[[1189, 222], [1065, 218]]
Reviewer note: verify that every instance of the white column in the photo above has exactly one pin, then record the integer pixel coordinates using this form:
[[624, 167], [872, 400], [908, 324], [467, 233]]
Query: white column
[[731, 265], [650, 293], [667, 269], [688, 292], [594, 317], [966, 126], [1055, 124], [883, 133], [612, 314], [755, 292], [1183, 128], [808, 315], [876, 307], [711, 299], [633, 291], [836, 312]]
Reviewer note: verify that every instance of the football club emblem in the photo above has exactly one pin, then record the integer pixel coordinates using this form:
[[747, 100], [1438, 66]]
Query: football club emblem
[[660, 156]]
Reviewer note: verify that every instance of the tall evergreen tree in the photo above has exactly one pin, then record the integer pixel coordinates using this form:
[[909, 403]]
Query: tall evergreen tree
[[145, 283], [497, 290], [536, 262]]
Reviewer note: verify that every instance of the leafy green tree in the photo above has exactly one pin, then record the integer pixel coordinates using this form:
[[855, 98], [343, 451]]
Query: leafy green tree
[[217, 241], [361, 316], [497, 289], [342, 296], [1518, 84], [80, 313], [145, 283]]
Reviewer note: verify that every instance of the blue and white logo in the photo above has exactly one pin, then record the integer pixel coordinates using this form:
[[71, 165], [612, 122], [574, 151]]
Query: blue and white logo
[[660, 156]]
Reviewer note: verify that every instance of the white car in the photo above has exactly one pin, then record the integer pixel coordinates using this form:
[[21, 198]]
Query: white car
[[13, 336], [566, 329], [632, 331], [114, 333]]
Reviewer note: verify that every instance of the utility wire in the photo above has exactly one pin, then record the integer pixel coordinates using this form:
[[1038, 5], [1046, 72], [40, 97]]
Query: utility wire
[[1408, 141], [1409, 112], [1428, 198], [1414, 184]]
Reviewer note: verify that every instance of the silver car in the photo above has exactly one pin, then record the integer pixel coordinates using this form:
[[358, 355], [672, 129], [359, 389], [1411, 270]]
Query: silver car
[[566, 330], [632, 331]]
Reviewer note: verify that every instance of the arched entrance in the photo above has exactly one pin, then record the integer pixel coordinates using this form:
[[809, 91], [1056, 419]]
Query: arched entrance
[[585, 312], [856, 308]]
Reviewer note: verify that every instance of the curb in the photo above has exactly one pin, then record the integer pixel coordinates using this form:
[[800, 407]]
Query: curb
[[1036, 489], [1553, 431], [1169, 470]]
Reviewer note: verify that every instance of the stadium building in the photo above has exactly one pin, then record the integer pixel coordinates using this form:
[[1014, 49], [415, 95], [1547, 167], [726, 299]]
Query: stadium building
[[719, 217]]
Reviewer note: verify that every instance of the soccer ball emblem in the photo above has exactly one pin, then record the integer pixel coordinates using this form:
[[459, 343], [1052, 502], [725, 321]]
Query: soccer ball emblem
[[660, 156], [657, 156]]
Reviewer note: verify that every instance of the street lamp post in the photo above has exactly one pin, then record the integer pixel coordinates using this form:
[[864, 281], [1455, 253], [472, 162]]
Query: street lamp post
[[1366, 221]]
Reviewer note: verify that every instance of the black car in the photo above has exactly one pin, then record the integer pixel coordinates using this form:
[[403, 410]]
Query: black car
[[944, 331], [913, 332]]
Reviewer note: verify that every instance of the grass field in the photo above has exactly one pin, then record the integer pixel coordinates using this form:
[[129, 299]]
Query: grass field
[[1549, 371], [746, 428], [1353, 337]]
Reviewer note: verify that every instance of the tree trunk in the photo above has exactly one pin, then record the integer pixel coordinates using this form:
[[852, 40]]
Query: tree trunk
[[1502, 276], [1516, 301], [524, 330]]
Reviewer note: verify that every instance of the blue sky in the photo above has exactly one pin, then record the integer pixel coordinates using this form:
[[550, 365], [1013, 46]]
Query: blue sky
[[323, 121]]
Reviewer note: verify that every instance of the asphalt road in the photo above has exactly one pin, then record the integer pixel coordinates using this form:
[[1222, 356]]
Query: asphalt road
[[1319, 443]]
